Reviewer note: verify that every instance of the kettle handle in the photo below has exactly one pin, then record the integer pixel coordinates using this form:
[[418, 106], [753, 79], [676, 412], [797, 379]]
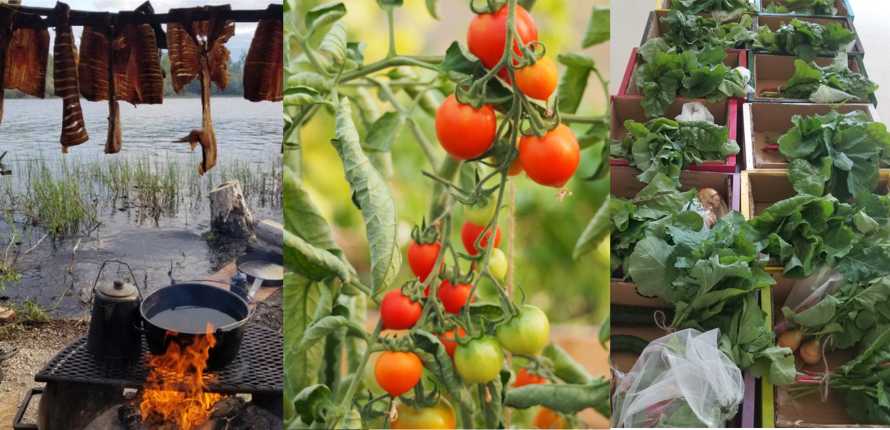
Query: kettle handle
[[99, 275]]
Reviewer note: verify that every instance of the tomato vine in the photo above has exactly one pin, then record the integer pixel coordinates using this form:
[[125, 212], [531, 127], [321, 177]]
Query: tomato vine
[[326, 299]]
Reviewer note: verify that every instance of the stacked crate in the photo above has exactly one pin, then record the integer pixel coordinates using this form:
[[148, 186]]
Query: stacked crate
[[748, 183]]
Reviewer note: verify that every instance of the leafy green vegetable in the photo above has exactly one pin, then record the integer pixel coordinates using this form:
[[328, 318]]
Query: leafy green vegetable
[[865, 380], [724, 8], [805, 39], [805, 233], [712, 277], [658, 203], [835, 153], [666, 73], [696, 32], [835, 83], [663, 145], [803, 7]]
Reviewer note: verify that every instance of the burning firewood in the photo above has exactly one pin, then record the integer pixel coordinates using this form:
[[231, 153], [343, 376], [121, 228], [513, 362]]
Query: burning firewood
[[264, 68], [197, 50], [67, 87]]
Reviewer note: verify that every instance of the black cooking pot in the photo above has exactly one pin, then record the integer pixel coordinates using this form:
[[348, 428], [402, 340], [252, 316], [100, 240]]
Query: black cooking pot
[[179, 313]]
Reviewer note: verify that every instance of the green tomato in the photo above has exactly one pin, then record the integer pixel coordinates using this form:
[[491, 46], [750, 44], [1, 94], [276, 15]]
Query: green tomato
[[527, 333], [497, 264], [479, 361], [481, 213]]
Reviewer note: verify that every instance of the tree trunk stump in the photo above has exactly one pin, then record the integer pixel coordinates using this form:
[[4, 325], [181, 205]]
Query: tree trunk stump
[[229, 214]]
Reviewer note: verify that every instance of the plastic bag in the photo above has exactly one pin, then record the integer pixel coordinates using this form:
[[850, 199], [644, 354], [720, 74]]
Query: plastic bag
[[809, 291], [680, 380], [695, 111]]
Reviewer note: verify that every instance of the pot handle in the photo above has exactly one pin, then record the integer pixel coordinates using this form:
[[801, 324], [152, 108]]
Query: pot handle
[[102, 268], [251, 293]]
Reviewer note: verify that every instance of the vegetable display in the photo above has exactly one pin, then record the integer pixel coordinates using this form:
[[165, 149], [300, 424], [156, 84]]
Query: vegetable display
[[721, 8], [838, 154], [805, 39], [834, 83], [667, 146], [451, 334], [666, 73]]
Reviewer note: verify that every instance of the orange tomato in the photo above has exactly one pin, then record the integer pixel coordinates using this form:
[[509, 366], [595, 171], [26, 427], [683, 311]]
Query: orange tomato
[[538, 80], [398, 372]]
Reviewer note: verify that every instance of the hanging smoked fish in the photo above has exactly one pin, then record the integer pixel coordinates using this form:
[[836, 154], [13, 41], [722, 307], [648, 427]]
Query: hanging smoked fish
[[98, 80], [144, 76], [264, 68], [6, 19], [197, 50], [67, 87], [25, 53]]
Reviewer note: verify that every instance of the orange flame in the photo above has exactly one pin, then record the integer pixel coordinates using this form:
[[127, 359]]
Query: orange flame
[[175, 388]]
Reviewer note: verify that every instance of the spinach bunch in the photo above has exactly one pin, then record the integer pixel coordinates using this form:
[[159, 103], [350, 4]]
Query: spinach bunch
[[840, 154], [712, 277], [865, 380], [805, 232], [666, 73], [805, 39], [663, 145], [835, 83], [658, 203], [696, 32], [804, 7], [846, 317], [717, 7]]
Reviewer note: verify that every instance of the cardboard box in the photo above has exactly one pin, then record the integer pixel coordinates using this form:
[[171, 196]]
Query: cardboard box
[[725, 114], [764, 123], [625, 185], [656, 28], [776, 21], [734, 58], [769, 72], [843, 8], [624, 361]]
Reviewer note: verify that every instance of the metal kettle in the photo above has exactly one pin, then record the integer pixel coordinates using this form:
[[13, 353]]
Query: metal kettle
[[114, 324]]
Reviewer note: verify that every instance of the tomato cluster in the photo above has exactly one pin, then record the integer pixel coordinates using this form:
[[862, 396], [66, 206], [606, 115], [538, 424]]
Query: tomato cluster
[[469, 132]]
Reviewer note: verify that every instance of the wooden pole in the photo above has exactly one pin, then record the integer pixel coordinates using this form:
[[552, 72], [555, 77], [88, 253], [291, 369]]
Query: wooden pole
[[101, 19]]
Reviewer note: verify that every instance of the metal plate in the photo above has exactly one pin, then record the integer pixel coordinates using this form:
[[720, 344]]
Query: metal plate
[[268, 266]]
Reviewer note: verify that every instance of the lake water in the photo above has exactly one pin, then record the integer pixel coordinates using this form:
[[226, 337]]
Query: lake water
[[30, 128], [59, 275]]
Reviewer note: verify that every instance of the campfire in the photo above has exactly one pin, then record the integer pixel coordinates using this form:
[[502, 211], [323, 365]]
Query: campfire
[[175, 390]]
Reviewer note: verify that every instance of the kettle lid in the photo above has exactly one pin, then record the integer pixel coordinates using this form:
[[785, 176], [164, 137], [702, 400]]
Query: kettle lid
[[118, 290]]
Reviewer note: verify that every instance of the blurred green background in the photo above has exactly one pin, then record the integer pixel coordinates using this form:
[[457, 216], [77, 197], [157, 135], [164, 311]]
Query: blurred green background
[[547, 226]]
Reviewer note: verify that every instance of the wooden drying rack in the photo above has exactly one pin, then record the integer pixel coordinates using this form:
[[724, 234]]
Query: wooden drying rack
[[100, 19]]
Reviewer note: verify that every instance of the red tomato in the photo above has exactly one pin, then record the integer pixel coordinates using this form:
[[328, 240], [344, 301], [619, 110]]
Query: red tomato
[[398, 311], [448, 339], [422, 258], [469, 232], [454, 296], [487, 34], [524, 377], [398, 372], [550, 159], [464, 131], [515, 168], [538, 80], [549, 419]]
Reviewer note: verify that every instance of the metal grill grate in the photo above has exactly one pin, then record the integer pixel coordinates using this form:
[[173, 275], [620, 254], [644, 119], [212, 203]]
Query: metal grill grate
[[257, 369]]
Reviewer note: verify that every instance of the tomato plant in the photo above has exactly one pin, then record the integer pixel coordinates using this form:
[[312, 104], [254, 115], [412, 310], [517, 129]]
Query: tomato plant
[[484, 110]]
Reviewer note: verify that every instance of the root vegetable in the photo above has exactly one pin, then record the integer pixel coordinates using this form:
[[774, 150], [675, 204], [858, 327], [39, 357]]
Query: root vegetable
[[811, 351], [791, 339]]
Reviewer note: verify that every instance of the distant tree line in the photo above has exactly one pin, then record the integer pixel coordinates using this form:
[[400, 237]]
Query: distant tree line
[[235, 87]]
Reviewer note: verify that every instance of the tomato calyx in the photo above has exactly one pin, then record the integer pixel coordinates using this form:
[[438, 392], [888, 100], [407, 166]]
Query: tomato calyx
[[424, 234]]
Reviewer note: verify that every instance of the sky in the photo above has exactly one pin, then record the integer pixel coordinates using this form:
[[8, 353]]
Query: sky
[[238, 45]]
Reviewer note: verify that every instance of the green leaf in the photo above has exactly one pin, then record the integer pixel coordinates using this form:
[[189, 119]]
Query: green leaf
[[564, 398], [390, 3], [372, 196], [598, 27], [574, 80], [301, 298], [313, 402], [384, 131], [815, 316], [459, 60], [605, 330], [319, 19], [595, 232], [431, 8], [326, 326]]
